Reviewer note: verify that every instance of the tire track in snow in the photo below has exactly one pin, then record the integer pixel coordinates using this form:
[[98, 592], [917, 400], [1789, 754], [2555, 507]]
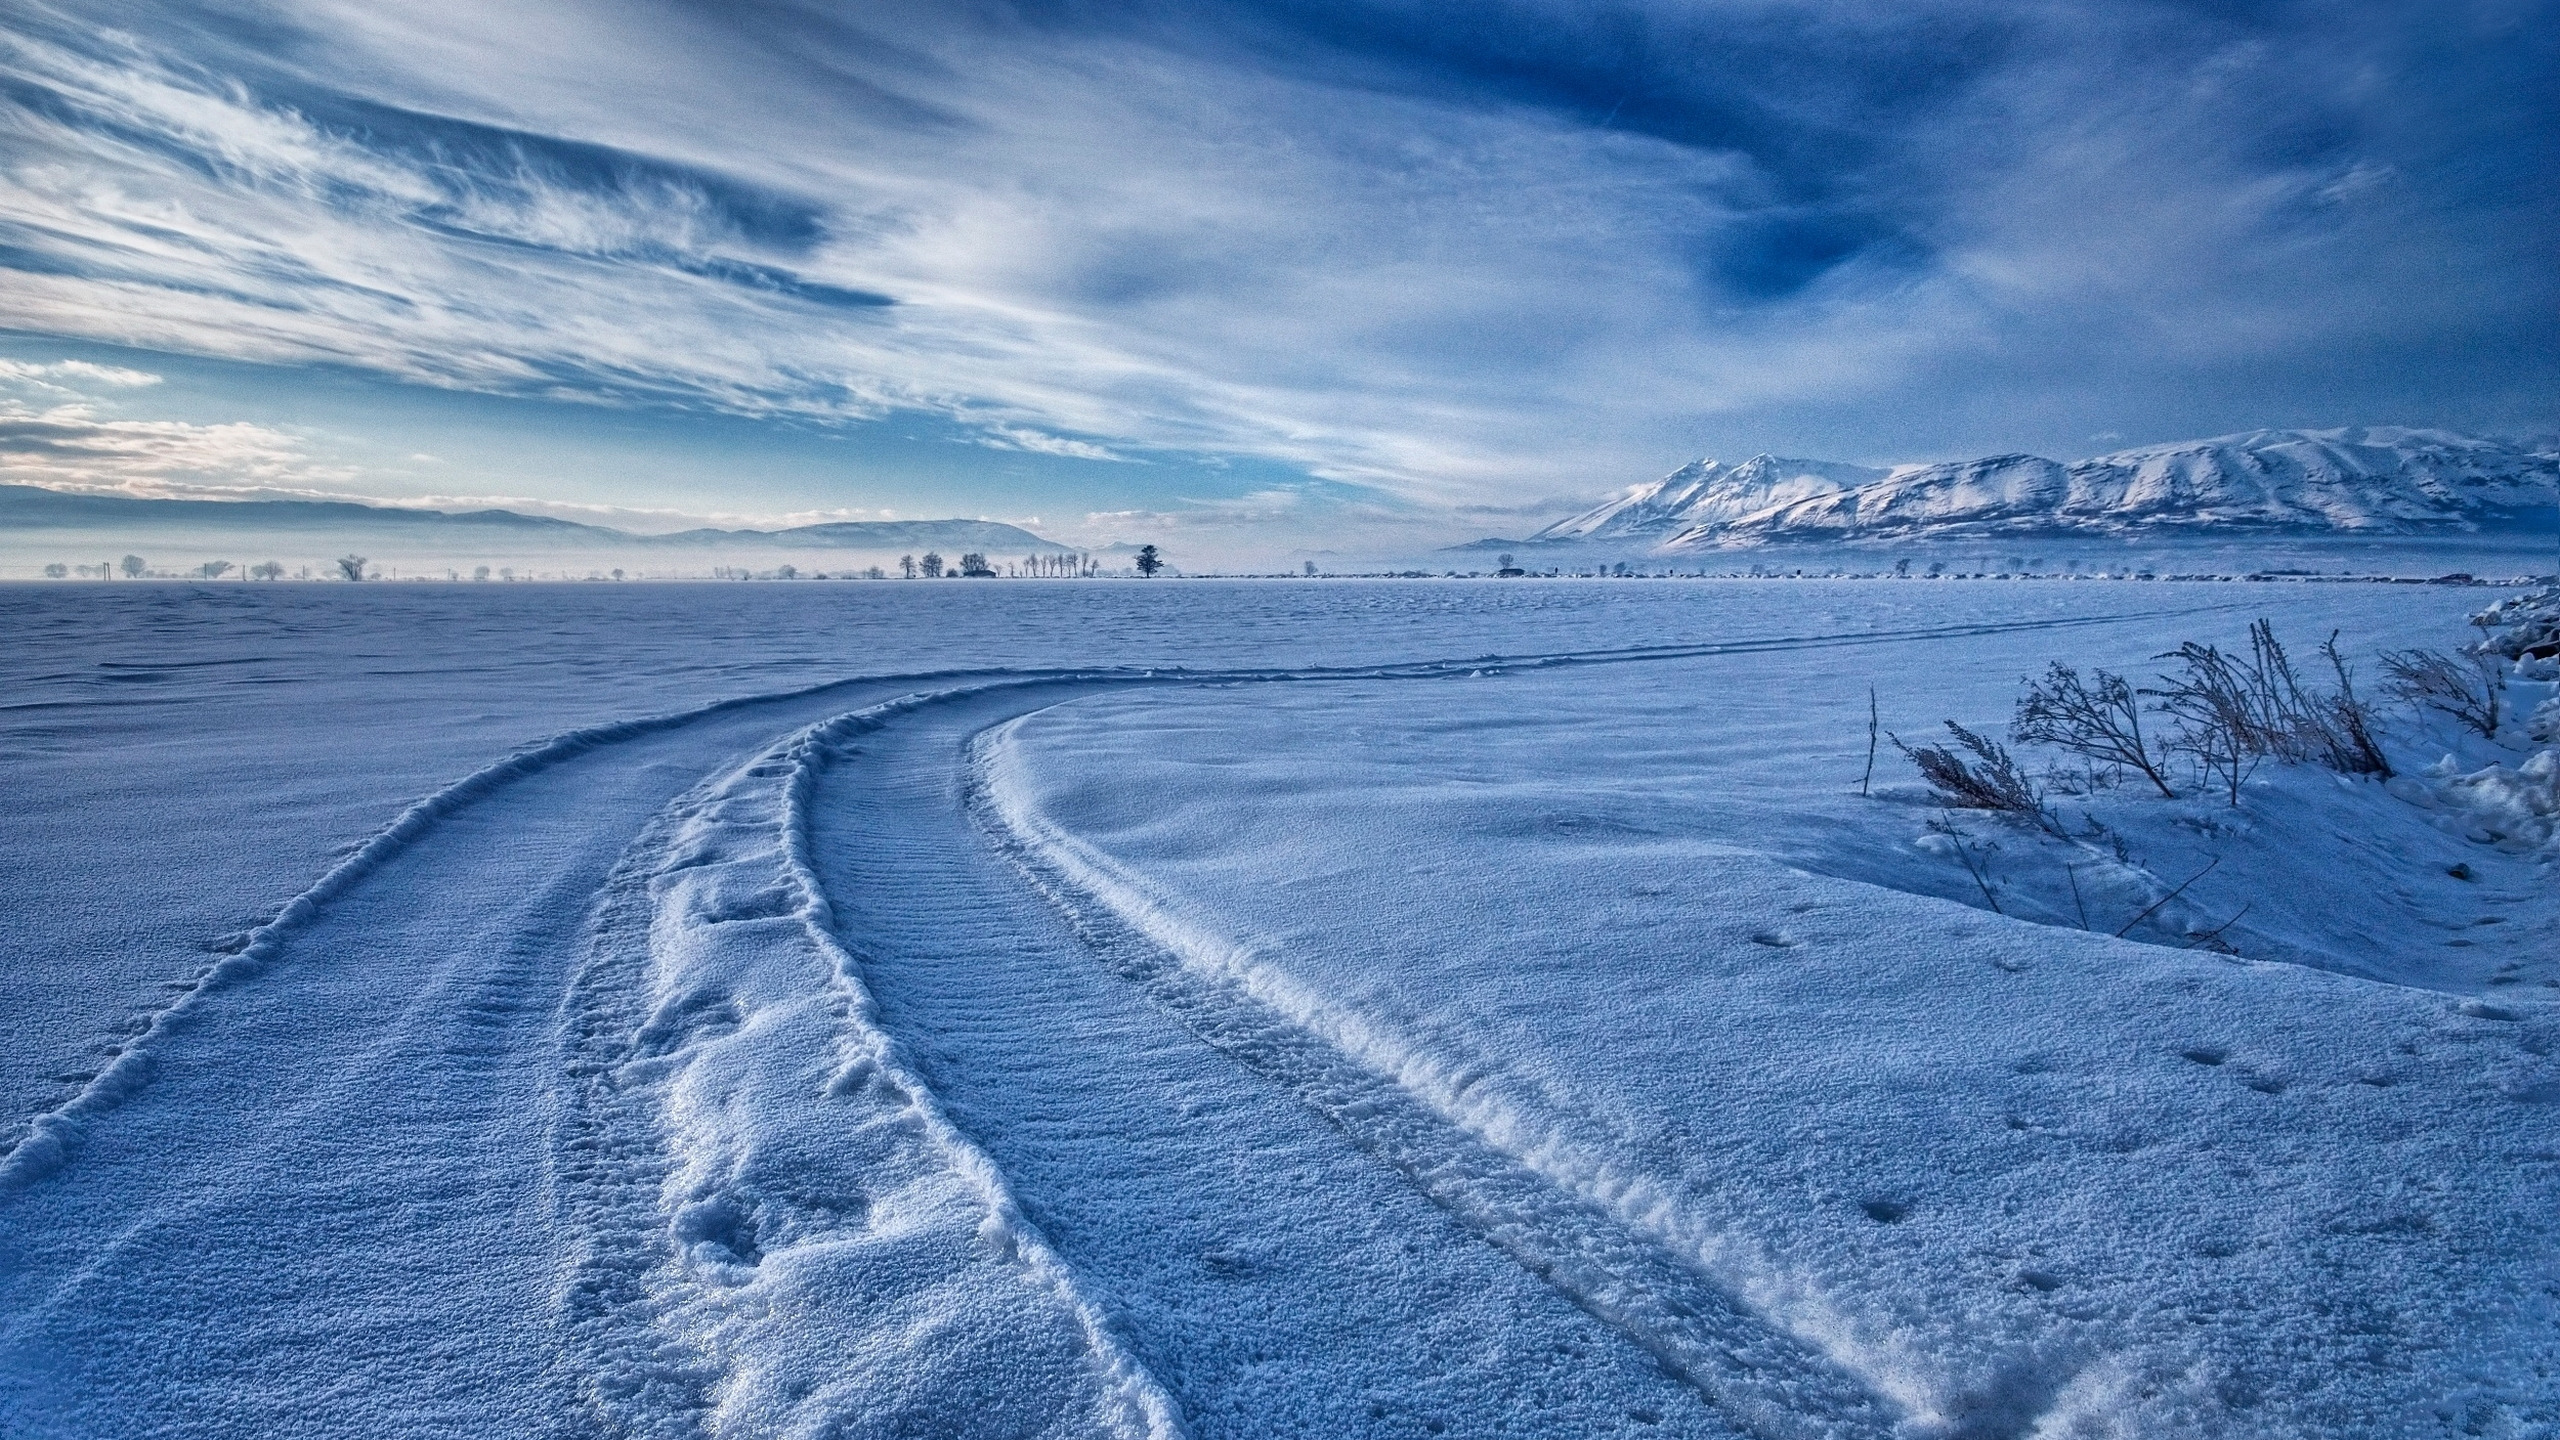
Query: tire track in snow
[[488, 997], [1596, 1235], [1517, 1165], [51, 1134], [327, 1213], [1275, 1278], [742, 1147], [1775, 1357]]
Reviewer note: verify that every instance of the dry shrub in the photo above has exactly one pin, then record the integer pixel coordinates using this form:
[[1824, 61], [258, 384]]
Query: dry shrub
[[2468, 688], [1990, 780], [2100, 720]]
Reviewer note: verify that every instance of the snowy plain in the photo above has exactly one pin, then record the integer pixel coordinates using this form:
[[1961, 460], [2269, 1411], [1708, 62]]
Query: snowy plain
[[1228, 1008]]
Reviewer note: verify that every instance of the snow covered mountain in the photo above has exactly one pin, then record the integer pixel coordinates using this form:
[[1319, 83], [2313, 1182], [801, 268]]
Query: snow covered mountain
[[1711, 493], [2376, 480]]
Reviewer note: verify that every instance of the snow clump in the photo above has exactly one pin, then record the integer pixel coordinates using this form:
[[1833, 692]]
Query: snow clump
[[2516, 809]]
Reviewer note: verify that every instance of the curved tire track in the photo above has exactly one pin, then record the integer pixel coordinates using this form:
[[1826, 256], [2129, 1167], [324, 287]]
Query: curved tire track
[[1085, 1081], [327, 1211], [344, 1179]]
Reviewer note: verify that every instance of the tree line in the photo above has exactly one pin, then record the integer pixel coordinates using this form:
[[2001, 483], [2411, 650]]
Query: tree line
[[1056, 565]]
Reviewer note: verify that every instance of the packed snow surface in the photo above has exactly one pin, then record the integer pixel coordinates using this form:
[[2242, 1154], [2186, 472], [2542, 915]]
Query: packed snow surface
[[1227, 1008]]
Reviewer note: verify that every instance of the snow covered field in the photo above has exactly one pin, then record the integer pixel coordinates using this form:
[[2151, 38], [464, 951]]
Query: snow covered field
[[1235, 1008]]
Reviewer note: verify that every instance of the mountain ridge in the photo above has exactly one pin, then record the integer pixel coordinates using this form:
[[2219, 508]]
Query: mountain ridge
[[2357, 480]]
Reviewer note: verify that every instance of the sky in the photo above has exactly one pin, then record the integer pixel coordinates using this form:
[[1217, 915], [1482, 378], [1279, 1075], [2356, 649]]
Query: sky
[[1225, 274]]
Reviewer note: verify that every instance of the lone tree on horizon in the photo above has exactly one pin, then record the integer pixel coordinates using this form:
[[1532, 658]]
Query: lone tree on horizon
[[1149, 562], [352, 566]]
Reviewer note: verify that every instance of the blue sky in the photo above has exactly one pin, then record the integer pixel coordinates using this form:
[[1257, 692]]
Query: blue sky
[[1215, 272]]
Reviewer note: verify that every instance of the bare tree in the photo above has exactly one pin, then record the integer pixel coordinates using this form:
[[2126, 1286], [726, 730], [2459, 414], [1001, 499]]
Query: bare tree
[[352, 566], [132, 566], [2101, 721], [267, 570], [213, 569], [931, 565], [1149, 562]]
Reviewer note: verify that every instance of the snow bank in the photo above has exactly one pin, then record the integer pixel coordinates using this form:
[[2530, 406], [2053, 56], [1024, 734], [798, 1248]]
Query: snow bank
[[2016, 1178], [2514, 808], [2523, 627]]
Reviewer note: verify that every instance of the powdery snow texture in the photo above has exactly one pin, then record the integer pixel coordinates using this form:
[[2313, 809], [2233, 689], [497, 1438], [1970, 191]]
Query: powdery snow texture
[[1437, 1009]]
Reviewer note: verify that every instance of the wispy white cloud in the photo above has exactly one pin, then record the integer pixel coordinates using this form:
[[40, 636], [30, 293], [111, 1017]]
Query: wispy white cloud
[[57, 436], [69, 447], [1016, 437], [1549, 254], [59, 376], [60, 437]]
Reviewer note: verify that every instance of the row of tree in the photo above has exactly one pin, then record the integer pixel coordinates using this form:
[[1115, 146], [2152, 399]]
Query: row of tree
[[134, 567], [972, 565], [1063, 565]]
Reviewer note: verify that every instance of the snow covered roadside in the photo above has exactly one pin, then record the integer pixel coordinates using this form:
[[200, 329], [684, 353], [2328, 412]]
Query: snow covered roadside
[[2016, 1177], [2438, 875]]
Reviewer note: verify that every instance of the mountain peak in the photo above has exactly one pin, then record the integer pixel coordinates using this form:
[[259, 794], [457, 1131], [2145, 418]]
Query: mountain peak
[[1707, 492], [2353, 479]]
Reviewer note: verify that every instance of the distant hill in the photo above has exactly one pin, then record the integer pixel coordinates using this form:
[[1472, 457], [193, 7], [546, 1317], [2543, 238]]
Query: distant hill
[[993, 537], [2302, 483], [32, 508]]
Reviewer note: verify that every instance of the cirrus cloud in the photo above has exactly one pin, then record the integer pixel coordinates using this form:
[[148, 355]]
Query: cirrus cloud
[[1545, 250]]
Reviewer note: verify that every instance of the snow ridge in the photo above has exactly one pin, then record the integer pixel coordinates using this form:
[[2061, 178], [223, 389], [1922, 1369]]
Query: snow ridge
[[743, 1147], [1783, 1362], [1709, 492], [1141, 1406]]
